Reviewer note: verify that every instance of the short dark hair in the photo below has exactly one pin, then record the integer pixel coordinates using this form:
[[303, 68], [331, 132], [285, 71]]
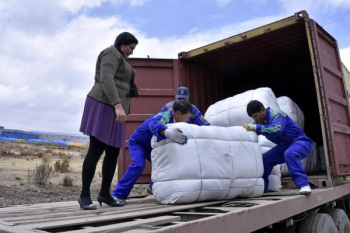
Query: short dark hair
[[254, 106], [183, 106], [124, 38]]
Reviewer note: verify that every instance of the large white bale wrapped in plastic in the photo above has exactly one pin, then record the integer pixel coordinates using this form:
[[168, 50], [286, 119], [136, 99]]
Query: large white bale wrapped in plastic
[[216, 163], [265, 144], [288, 106], [275, 183], [233, 110]]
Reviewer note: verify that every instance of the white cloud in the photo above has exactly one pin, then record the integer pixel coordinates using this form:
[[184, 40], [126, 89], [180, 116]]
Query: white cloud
[[138, 2], [75, 5], [222, 3], [256, 3], [46, 75], [314, 6], [32, 17], [345, 56], [132, 3]]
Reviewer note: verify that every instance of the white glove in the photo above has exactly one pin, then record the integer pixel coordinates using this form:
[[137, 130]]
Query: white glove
[[250, 127], [175, 135]]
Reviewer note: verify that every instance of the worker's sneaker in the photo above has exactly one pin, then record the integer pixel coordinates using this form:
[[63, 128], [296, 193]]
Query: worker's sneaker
[[305, 190], [121, 201]]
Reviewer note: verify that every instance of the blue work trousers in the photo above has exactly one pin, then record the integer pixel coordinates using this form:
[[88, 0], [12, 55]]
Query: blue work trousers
[[138, 154], [291, 154]]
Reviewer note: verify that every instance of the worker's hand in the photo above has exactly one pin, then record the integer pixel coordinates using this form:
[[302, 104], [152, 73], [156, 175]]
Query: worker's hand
[[250, 127], [119, 111], [175, 135]]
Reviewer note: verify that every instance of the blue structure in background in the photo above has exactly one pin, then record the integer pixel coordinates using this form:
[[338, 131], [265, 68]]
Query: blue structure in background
[[8, 139], [42, 137], [18, 134]]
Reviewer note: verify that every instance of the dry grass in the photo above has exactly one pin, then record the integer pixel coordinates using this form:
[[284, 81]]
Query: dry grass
[[6, 151], [18, 178], [67, 181], [63, 166], [43, 173], [25, 152], [24, 157]]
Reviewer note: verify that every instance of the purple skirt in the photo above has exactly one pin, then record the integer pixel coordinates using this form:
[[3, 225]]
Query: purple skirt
[[99, 120]]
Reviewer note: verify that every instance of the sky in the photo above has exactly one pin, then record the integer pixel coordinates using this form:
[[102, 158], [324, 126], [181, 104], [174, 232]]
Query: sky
[[48, 48]]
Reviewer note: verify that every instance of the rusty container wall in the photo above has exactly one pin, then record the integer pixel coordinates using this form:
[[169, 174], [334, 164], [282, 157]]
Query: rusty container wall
[[334, 99], [346, 74], [157, 81], [204, 84]]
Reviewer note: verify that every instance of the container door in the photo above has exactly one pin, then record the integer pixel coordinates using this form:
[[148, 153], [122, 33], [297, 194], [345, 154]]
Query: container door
[[334, 99], [157, 81]]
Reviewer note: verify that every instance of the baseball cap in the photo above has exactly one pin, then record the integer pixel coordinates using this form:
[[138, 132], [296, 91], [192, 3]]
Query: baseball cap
[[182, 92]]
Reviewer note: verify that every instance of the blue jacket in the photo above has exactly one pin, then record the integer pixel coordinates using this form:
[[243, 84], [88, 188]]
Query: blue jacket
[[152, 126], [196, 118], [279, 128]]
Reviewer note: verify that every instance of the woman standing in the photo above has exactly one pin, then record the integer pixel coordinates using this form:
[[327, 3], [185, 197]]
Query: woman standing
[[106, 107]]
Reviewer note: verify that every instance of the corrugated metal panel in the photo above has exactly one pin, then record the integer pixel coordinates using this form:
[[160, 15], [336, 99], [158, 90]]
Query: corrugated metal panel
[[157, 80], [334, 99], [346, 75], [246, 35]]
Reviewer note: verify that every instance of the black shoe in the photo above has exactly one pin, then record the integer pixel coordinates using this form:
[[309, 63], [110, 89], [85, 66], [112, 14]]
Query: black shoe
[[109, 201], [86, 207]]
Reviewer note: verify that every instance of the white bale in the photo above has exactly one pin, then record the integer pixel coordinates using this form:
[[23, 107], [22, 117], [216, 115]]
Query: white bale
[[216, 163], [233, 110], [288, 106], [264, 142]]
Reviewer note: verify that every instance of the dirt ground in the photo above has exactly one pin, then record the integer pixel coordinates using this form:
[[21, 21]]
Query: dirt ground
[[18, 162]]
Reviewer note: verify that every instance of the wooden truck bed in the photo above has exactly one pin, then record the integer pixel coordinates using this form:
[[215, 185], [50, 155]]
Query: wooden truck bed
[[147, 215]]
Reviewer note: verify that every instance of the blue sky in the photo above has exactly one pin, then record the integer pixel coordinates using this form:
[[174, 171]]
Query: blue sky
[[48, 48]]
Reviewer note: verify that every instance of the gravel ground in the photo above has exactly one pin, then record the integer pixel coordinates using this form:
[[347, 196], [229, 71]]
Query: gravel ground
[[17, 186]]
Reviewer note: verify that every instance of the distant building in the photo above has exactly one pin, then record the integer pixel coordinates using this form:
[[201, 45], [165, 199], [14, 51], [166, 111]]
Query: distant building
[[27, 135], [64, 137], [18, 134]]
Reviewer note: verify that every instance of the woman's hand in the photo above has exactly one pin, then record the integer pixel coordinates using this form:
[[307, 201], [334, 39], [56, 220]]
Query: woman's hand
[[121, 116]]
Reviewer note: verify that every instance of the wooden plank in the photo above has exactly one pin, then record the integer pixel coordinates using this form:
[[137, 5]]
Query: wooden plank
[[68, 204], [130, 225], [74, 211], [8, 229], [121, 216], [70, 216]]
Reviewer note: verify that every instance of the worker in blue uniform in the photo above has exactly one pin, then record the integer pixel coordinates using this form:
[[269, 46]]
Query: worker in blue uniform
[[292, 143], [197, 117], [183, 93], [140, 144]]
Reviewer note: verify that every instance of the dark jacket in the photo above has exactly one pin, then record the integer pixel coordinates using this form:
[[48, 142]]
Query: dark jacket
[[112, 79]]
